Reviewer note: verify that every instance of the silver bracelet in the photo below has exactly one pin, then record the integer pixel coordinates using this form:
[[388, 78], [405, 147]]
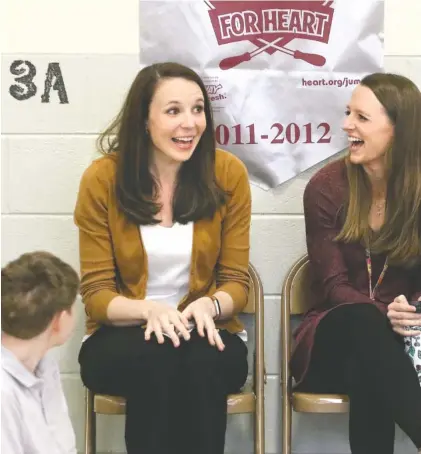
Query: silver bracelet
[[217, 307]]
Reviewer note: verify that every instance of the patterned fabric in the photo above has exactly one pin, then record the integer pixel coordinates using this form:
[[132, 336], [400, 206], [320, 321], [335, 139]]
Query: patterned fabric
[[413, 348]]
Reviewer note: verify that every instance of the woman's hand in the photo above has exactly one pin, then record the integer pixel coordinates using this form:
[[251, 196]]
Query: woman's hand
[[162, 318], [402, 315], [202, 311]]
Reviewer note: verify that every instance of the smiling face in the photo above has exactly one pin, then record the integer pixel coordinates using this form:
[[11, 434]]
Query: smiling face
[[370, 131], [176, 119]]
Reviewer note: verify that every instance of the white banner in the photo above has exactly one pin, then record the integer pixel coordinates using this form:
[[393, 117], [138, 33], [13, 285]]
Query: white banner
[[279, 73]]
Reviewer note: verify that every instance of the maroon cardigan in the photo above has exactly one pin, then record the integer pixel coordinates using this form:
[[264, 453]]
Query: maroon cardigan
[[340, 269]]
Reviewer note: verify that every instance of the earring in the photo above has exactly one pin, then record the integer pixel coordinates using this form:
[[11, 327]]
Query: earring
[[146, 128]]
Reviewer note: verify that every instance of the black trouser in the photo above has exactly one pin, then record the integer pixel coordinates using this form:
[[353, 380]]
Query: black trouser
[[176, 397], [357, 353]]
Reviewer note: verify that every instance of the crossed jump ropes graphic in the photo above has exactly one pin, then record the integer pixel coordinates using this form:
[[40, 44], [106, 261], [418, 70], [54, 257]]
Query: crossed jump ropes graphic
[[278, 44]]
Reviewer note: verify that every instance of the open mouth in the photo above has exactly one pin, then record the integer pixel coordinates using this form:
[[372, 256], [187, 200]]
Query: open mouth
[[355, 143], [187, 141]]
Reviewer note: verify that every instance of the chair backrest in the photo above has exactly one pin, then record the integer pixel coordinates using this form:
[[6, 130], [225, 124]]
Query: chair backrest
[[296, 299], [255, 306], [297, 287], [254, 290]]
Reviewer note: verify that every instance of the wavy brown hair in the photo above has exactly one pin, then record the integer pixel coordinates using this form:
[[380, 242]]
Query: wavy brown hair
[[197, 194], [400, 235]]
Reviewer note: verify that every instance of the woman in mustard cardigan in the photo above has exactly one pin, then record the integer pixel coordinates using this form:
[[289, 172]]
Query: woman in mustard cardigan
[[164, 222]]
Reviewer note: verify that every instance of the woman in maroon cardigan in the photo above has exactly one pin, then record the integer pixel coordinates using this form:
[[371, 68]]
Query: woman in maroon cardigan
[[363, 227]]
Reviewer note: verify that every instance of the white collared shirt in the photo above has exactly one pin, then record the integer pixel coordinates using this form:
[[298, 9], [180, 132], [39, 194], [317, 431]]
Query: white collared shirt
[[34, 414]]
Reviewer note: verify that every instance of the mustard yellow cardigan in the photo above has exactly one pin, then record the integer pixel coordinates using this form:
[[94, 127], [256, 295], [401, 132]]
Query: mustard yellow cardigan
[[113, 260]]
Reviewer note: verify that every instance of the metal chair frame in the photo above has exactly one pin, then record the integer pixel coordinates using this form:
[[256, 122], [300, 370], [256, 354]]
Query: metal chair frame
[[296, 300], [245, 402]]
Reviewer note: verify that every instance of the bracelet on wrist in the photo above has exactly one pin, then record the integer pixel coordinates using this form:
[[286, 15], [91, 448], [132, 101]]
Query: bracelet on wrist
[[217, 307]]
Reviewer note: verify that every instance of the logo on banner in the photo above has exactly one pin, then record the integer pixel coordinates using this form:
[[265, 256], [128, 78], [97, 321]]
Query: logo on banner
[[270, 26], [215, 91]]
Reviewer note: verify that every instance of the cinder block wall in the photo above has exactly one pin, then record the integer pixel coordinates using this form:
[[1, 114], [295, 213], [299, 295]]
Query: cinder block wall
[[46, 146]]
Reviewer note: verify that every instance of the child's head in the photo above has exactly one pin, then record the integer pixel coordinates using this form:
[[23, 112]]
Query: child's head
[[38, 291]]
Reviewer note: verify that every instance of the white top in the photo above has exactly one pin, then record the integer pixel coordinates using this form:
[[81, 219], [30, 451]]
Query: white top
[[169, 251], [34, 414]]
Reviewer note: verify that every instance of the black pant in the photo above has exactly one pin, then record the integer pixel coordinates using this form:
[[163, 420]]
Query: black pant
[[176, 397], [357, 353]]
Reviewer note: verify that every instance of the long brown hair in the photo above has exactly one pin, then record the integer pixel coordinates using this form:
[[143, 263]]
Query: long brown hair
[[400, 235], [197, 194]]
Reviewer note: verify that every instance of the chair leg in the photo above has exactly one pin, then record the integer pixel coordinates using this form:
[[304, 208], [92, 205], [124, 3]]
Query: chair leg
[[90, 423], [286, 422], [259, 427], [259, 437]]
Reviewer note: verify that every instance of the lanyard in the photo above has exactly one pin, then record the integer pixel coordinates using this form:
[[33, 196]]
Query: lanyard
[[369, 271]]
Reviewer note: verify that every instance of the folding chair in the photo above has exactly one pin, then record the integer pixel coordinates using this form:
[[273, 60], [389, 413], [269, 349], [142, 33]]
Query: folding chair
[[296, 300], [244, 402]]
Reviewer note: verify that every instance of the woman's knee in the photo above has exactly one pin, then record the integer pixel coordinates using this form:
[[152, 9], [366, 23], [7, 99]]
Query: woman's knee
[[199, 355], [358, 316], [368, 318], [127, 356], [204, 361]]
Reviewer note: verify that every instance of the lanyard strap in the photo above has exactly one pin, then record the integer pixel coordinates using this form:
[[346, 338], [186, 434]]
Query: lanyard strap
[[371, 290]]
